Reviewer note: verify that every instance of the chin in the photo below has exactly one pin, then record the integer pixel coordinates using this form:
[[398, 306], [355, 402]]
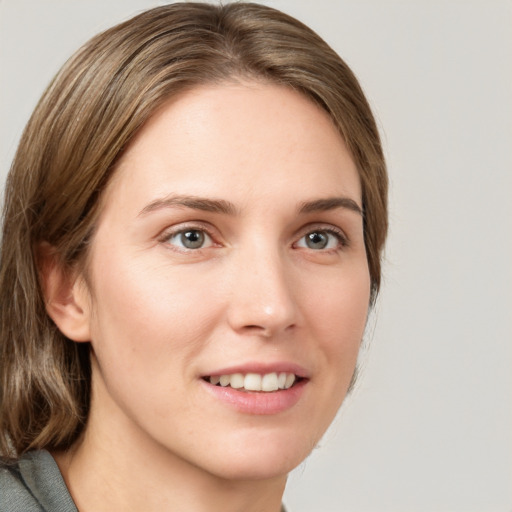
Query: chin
[[251, 469], [262, 456]]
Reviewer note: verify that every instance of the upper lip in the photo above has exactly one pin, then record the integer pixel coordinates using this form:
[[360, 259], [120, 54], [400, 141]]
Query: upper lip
[[262, 369]]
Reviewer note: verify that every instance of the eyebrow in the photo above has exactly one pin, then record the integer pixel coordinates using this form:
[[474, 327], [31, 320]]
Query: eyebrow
[[226, 207], [330, 203], [193, 202]]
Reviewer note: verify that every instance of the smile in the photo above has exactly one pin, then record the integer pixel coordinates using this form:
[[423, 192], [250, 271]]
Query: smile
[[267, 382], [258, 388]]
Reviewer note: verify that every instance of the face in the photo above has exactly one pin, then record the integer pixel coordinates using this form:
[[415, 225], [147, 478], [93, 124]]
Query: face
[[229, 248]]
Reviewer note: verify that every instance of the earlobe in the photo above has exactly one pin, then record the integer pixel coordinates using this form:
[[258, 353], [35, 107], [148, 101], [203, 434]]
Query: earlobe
[[65, 294]]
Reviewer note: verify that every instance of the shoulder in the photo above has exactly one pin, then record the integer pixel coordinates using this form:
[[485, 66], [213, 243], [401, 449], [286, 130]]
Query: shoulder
[[14, 494], [33, 483]]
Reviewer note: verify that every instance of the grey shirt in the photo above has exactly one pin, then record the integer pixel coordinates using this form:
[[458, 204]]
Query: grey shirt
[[34, 484]]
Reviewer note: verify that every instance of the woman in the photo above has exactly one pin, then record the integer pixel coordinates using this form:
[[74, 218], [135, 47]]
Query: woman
[[192, 235]]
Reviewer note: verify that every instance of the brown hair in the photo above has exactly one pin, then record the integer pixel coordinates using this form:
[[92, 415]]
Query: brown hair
[[87, 116]]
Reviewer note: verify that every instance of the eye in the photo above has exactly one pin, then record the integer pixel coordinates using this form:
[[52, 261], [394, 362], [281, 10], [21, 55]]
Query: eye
[[190, 239], [322, 239]]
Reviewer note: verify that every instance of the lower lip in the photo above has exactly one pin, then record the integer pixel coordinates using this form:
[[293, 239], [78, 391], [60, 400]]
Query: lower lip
[[254, 402]]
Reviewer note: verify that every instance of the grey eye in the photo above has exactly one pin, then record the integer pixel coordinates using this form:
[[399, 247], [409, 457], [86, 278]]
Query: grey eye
[[319, 240], [191, 239]]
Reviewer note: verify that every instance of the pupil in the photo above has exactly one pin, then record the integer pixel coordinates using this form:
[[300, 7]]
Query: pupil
[[192, 239], [316, 240]]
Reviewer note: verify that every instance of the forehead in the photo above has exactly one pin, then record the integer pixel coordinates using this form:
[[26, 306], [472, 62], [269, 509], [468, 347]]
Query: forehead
[[242, 139]]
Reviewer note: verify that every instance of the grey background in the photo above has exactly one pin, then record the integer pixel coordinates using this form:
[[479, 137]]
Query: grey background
[[429, 428]]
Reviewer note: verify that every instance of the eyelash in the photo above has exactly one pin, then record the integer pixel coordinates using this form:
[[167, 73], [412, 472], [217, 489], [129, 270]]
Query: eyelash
[[167, 236], [342, 241]]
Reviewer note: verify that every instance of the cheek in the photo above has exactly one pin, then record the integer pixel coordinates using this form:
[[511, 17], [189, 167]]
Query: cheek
[[146, 312], [338, 304], [338, 312]]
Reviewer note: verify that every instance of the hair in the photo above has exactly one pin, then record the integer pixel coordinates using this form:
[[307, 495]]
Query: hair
[[68, 152]]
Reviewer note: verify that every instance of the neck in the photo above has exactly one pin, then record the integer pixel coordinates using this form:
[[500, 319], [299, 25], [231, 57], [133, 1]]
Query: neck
[[100, 485], [114, 467]]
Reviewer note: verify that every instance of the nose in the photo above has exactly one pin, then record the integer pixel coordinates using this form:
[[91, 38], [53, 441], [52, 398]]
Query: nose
[[262, 299]]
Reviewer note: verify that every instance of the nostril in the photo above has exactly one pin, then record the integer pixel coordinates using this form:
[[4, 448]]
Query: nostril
[[257, 329]]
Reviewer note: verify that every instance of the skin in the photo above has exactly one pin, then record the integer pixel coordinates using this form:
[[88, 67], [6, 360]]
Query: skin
[[160, 316]]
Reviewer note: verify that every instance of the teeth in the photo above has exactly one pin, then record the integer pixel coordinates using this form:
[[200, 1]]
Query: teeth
[[290, 379], [254, 381], [269, 382], [237, 380]]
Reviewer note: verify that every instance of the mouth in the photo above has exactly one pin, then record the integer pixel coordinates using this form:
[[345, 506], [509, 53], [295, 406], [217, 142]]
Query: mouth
[[258, 389], [255, 382]]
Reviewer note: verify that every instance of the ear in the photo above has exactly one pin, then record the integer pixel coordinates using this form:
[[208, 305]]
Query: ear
[[66, 295]]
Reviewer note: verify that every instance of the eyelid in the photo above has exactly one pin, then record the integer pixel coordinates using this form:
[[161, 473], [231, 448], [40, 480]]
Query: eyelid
[[327, 228], [172, 231]]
